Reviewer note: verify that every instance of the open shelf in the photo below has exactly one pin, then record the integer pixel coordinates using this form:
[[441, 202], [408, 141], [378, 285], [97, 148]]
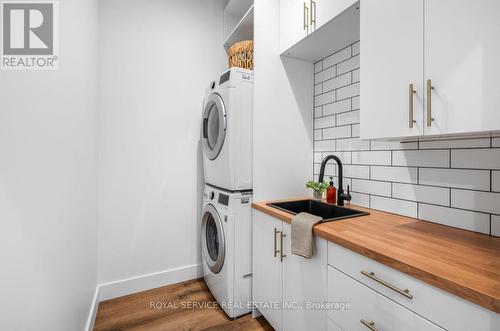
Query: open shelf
[[242, 31], [335, 35]]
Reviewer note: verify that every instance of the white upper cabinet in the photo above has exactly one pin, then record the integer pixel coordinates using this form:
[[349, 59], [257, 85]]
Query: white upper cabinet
[[299, 18], [447, 49], [294, 22], [392, 37], [462, 62], [325, 10]]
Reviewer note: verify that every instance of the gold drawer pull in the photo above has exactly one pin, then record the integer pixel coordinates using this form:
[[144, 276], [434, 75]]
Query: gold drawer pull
[[281, 247], [371, 275], [411, 92], [369, 324], [276, 251], [429, 102]]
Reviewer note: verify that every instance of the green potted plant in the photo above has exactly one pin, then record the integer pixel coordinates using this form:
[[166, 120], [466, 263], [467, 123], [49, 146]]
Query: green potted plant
[[318, 188]]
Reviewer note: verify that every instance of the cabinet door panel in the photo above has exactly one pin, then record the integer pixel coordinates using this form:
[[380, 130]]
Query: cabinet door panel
[[267, 269], [304, 280], [391, 59], [292, 19], [462, 52], [328, 9]]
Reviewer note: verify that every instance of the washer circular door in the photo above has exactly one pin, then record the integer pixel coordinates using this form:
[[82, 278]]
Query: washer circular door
[[214, 126], [212, 239]]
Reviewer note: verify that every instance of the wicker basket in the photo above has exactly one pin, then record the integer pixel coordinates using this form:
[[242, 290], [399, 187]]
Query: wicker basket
[[241, 55]]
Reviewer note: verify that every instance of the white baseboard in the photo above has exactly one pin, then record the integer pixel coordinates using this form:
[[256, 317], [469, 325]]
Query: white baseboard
[[149, 281], [89, 326], [141, 283]]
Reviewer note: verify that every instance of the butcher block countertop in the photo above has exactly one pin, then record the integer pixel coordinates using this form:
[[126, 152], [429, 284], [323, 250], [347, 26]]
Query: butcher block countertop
[[461, 262]]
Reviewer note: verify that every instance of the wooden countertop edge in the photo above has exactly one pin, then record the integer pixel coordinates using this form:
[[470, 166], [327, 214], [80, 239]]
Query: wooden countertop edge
[[482, 299]]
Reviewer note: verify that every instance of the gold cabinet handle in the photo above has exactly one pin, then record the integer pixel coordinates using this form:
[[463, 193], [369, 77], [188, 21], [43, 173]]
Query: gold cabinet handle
[[429, 102], [276, 251], [306, 16], [411, 92], [369, 324], [371, 275], [313, 14], [281, 247]]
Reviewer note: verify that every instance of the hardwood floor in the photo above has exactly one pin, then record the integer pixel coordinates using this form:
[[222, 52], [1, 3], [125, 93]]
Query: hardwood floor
[[184, 306]]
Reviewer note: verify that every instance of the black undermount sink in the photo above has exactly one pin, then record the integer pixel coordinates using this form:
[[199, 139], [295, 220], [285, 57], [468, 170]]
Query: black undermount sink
[[324, 210]]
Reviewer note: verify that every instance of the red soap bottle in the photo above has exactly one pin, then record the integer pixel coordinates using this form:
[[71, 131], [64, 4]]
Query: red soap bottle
[[331, 193]]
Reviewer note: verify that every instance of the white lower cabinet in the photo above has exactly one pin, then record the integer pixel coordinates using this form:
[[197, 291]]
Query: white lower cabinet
[[287, 287], [340, 290], [368, 309]]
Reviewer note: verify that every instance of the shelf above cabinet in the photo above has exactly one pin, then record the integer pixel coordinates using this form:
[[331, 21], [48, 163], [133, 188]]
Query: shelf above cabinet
[[242, 31], [338, 33]]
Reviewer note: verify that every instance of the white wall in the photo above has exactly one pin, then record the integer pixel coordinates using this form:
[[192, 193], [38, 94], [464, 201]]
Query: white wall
[[48, 169], [159, 57], [282, 113]]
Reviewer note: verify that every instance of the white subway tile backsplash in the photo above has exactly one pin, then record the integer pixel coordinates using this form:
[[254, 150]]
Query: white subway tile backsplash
[[355, 76], [458, 178], [355, 103], [318, 134], [337, 132], [495, 225], [324, 75], [348, 91], [356, 171], [391, 145], [420, 193], [454, 182], [318, 112], [337, 57], [475, 200], [318, 89], [318, 66], [324, 146], [476, 158], [324, 98], [324, 122], [345, 157], [337, 107], [350, 117], [455, 143], [464, 219], [372, 157], [355, 130], [495, 181], [348, 65], [355, 48], [337, 82], [401, 207], [394, 174], [352, 145], [371, 187], [427, 158], [360, 199]]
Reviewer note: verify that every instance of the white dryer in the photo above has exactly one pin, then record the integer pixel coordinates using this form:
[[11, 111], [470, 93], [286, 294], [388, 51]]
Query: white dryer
[[226, 246], [227, 131]]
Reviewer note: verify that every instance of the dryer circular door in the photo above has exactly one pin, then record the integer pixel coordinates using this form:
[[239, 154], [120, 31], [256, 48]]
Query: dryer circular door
[[214, 126], [213, 244]]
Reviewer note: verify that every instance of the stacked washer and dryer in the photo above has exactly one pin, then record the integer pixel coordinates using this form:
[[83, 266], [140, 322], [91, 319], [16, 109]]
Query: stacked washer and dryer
[[227, 164]]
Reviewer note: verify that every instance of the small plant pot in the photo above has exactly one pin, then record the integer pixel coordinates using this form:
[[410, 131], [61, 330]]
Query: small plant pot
[[317, 195]]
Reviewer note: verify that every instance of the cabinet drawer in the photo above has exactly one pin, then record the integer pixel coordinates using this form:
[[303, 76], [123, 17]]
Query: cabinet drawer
[[369, 307], [427, 301]]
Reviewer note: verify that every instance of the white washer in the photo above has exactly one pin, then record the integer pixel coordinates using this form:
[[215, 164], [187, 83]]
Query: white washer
[[227, 247], [227, 131]]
